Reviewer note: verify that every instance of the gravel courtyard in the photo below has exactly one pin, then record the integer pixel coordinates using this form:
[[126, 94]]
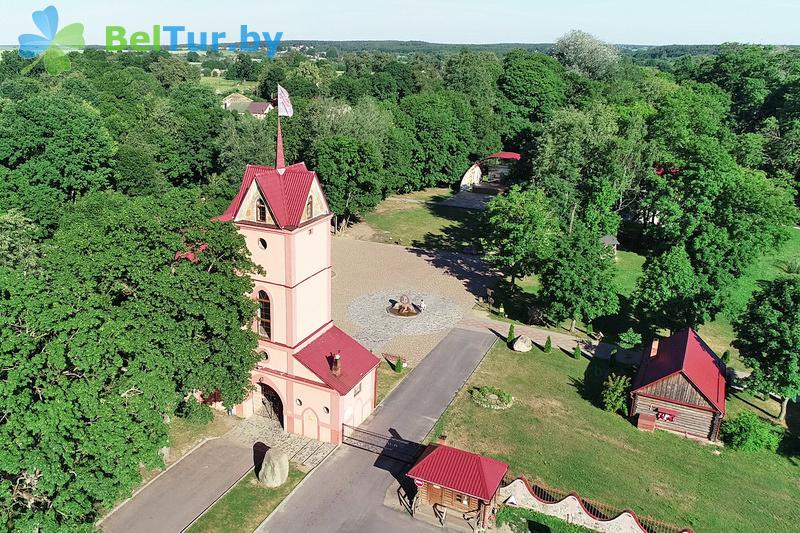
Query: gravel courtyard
[[368, 274]]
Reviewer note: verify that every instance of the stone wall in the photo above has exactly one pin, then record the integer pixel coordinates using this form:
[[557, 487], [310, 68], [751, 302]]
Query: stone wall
[[570, 509]]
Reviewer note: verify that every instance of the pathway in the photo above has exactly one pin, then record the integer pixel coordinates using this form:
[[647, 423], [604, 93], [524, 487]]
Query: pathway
[[565, 341], [179, 495], [346, 492]]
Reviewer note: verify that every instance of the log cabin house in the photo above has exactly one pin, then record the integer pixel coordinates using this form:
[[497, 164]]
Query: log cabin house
[[451, 479], [680, 387]]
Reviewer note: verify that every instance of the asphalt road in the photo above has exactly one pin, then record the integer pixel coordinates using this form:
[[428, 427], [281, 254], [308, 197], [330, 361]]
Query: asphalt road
[[184, 491], [346, 492]]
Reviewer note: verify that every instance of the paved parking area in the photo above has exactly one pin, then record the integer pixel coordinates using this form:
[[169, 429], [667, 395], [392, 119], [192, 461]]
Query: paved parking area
[[367, 270]]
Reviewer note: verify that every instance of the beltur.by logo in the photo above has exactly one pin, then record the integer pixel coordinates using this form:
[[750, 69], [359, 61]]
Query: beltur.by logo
[[249, 41], [53, 44]]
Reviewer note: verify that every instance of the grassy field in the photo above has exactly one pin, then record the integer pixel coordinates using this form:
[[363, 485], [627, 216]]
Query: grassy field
[[388, 379], [224, 86], [525, 520], [414, 220], [556, 435], [245, 506]]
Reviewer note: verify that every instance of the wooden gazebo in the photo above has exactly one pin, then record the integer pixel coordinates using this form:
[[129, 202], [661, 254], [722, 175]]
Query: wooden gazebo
[[452, 479]]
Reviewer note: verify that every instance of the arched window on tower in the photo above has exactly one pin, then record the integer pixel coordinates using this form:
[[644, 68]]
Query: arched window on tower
[[310, 208], [264, 315], [261, 211]]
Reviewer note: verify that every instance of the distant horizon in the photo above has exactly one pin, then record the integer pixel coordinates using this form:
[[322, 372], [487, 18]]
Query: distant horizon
[[449, 22], [498, 43]]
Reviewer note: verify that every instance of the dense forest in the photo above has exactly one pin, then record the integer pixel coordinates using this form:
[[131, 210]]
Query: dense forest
[[111, 169]]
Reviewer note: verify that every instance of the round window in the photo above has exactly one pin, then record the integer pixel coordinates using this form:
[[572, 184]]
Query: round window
[[299, 402], [262, 244], [326, 410]]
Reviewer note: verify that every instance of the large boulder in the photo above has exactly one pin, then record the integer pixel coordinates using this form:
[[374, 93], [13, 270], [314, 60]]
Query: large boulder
[[523, 344], [275, 469]]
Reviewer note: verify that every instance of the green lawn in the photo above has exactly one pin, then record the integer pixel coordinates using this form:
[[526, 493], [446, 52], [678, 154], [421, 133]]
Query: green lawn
[[414, 219], [556, 435], [225, 86], [388, 379], [525, 520], [245, 506]]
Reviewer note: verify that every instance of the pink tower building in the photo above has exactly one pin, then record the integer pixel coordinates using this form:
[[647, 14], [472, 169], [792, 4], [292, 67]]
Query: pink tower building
[[313, 377]]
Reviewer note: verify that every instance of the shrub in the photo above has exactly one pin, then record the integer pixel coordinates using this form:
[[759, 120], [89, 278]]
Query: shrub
[[194, 411], [726, 357], [615, 393], [749, 433], [576, 354], [793, 267], [399, 365], [511, 334], [548, 345], [629, 339], [491, 397]]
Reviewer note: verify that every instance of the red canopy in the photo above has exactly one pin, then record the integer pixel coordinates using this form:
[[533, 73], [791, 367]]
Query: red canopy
[[503, 155]]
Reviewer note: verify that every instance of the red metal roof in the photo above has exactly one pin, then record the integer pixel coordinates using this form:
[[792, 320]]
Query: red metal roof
[[356, 361], [285, 192], [503, 155], [461, 471], [685, 352]]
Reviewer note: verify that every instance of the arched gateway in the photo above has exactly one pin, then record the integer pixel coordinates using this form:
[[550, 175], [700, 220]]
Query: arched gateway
[[311, 365], [271, 404]]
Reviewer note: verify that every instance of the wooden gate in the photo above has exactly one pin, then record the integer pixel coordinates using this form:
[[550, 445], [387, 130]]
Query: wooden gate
[[391, 446]]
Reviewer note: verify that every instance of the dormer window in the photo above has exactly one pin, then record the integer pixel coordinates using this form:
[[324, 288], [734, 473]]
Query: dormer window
[[261, 211], [310, 208]]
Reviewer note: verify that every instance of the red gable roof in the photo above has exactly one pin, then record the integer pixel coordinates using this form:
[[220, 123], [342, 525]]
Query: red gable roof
[[356, 361], [285, 192], [687, 353], [461, 471]]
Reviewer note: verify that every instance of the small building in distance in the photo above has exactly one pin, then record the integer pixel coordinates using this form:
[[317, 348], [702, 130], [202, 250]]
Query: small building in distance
[[236, 102], [680, 387], [259, 109], [451, 479]]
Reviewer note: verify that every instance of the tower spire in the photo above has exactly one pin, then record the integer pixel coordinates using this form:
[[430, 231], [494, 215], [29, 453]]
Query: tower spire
[[279, 160]]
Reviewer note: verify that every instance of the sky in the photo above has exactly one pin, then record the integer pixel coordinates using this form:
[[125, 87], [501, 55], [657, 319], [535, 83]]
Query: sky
[[441, 21]]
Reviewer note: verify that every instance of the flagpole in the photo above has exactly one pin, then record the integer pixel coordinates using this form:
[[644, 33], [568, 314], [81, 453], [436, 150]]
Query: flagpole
[[279, 159]]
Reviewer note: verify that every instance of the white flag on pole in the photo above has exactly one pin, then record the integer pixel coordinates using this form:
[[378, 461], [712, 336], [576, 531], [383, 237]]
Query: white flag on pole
[[285, 108]]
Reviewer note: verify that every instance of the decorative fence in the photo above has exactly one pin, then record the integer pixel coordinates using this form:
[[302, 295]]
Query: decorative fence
[[571, 508], [390, 446]]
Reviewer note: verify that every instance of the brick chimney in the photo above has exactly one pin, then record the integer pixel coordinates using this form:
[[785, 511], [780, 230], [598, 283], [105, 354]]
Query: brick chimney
[[442, 440], [336, 368], [654, 348]]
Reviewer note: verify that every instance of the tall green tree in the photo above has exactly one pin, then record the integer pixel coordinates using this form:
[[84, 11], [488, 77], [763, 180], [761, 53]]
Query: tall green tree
[[96, 352], [520, 231], [768, 339], [668, 294], [577, 282], [53, 149], [350, 172]]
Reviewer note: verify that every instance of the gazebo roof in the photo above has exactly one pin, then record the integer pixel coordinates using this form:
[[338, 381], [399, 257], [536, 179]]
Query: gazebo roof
[[461, 471]]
